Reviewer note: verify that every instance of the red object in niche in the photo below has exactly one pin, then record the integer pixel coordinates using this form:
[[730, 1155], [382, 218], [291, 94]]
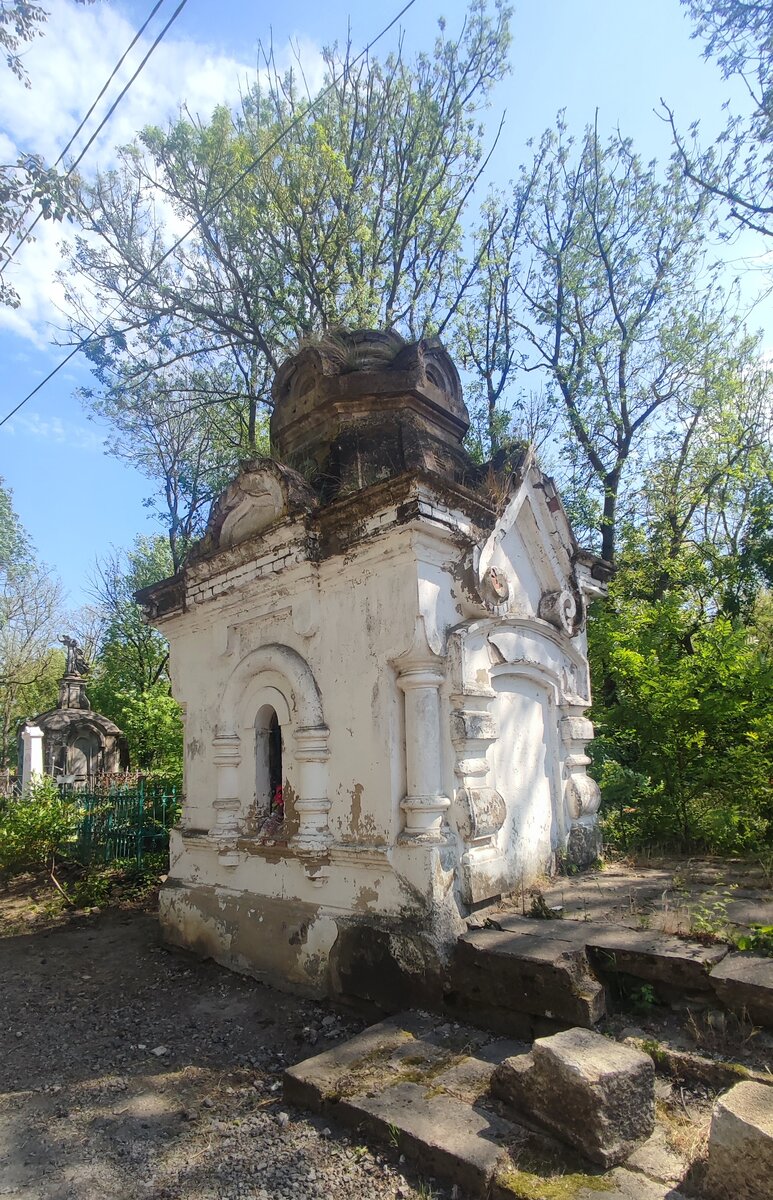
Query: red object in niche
[[277, 802]]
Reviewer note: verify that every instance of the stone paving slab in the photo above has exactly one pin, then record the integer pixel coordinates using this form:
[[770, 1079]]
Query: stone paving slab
[[448, 1137], [423, 1089], [649, 955], [669, 962], [695, 1068], [664, 894], [552, 968], [320, 1079]]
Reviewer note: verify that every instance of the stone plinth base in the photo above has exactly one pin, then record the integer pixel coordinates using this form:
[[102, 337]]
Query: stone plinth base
[[376, 963], [285, 943]]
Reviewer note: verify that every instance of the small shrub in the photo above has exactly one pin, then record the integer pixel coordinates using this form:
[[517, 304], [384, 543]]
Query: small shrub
[[36, 828]]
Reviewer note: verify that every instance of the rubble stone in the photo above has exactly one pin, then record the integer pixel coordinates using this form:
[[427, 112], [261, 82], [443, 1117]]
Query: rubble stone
[[740, 1163], [588, 1091], [744, 983]]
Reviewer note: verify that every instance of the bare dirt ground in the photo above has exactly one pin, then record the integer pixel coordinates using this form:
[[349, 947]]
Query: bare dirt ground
[[128, 1070]]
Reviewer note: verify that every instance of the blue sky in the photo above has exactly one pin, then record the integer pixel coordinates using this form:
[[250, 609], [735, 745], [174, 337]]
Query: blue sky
[[617, 56]]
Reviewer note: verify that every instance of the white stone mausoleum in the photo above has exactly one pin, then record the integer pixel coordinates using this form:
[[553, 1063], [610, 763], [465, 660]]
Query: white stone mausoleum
[[380, 651]]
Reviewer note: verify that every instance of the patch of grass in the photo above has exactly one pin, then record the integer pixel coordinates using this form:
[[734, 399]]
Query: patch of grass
[[538, 1170], [685, 1135], [720, 1032], [356, 1078], [656, 1052]]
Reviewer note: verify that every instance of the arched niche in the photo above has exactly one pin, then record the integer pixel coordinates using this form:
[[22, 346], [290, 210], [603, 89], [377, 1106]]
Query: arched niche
[[278, 666], [271, 725], [84, 755], [275, 679]]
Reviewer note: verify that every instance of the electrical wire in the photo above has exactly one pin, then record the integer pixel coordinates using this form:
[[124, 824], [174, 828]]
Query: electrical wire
[[218, 200], [106, 117], [105, 86]]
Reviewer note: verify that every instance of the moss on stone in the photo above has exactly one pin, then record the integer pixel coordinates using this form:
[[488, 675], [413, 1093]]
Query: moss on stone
[[737, 1068], [524, 1185]]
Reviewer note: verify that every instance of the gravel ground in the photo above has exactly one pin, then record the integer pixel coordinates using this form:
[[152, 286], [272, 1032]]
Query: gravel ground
[[129, 1070]]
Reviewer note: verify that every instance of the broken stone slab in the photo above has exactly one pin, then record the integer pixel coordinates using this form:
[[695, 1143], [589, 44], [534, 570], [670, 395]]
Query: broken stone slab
[[587, 1090], [408, 1048], [658, 958], [673, 965], [532, 971], [658, 1159], [448, 1137], [744, 983], [469, 1076], [740, 1160]]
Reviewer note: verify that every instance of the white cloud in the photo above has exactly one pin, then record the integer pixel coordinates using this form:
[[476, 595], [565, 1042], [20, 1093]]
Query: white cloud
[[53, 429], [67, 66]]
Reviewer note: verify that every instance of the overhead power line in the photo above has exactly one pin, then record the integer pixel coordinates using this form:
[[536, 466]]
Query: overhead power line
[[206, 213], [104, 120]]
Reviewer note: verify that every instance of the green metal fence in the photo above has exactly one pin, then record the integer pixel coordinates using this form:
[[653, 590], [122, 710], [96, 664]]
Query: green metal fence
[[123, 823]]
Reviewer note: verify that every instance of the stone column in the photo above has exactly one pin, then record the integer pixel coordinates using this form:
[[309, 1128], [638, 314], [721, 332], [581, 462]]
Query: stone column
[[32, 754], [420, 676], [312, 806], [227, 827]]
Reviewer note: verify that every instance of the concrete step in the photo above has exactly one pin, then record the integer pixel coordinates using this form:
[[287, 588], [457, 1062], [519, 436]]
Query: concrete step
[[423, 1090], [526, 980], [554, 970]]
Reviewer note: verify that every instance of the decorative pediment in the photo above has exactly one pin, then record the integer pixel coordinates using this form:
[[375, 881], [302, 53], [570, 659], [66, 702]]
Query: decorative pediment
[[480, 650], [264, 493], [525, 567]]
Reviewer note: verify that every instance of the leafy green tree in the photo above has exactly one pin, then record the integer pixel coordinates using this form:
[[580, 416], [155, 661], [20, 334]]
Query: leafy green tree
[[308, 214], [132, 655], [737, 169], [189, 451], [36, 828], [705, 480], [30, 606], [130, 676], [26, 183], [14, 543], [685, 739], [590, 275]]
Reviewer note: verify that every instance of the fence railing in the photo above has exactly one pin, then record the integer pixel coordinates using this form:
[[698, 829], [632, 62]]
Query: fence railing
[[125, 823]]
